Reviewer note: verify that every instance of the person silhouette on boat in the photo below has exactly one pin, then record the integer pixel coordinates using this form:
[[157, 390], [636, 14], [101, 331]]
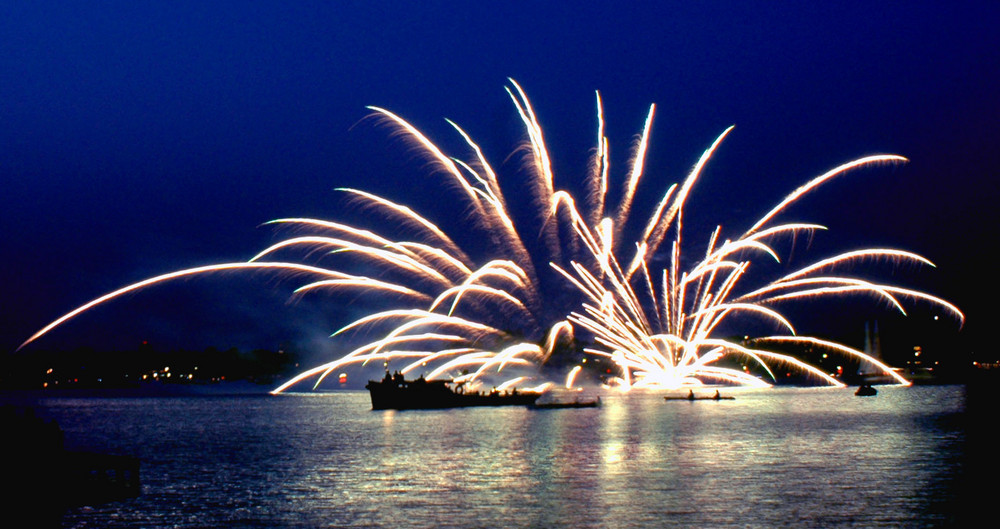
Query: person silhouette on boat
[[717, 396], [690, 394]]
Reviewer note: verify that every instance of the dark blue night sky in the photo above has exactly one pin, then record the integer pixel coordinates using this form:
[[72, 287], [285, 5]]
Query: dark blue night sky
[[141, 139]]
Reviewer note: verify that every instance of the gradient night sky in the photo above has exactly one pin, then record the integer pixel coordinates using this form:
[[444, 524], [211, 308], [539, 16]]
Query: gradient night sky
[[138, 140]]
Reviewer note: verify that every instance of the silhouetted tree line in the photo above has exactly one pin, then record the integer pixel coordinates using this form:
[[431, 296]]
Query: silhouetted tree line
[[87, 367]]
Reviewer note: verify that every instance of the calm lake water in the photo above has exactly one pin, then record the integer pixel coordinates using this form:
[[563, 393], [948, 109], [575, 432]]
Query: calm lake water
[[774, 458]]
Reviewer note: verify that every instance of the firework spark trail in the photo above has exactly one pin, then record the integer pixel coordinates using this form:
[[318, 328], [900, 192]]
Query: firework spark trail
[[636, 173], [410, 217], [445, 162], [843, 284], [496, 199], [469, 322], [403, 259], [836, 347], [856, 255], [677, 206], [815, 182], [543, 165], [614, 324], [294, 267], [597, 184], [417, 253]]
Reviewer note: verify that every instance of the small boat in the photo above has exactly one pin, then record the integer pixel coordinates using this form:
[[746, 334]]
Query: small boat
[[577, 403], [692, 396], [866, 390], [396, 393]]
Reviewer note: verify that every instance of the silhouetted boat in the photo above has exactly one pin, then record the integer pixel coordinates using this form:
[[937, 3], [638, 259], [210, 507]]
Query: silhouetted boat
[[396, 393], [692, 396], [866, 390], [576, 403]]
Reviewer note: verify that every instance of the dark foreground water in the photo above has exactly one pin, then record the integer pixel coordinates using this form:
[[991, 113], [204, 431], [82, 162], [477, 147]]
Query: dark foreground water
[[777, 458]]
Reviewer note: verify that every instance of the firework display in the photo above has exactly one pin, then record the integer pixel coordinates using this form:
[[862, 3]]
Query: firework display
[[569, 284]]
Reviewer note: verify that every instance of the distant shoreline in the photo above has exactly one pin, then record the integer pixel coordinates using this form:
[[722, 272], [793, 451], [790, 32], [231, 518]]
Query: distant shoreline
[[145, 389]]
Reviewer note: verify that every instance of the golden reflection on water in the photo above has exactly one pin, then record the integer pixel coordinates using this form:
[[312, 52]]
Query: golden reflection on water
[[767, 459]]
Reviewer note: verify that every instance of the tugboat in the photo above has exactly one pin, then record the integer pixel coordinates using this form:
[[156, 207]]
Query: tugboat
[[394, 392]]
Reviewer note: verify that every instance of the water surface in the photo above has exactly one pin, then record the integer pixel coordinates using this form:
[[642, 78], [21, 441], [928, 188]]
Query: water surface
[[775, 458]]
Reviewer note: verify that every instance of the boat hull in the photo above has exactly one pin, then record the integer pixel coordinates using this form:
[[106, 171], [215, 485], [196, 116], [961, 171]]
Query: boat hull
[[398, 394], [596, 403]]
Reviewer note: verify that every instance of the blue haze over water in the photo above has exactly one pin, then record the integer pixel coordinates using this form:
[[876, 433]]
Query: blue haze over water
[[774, 458]]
